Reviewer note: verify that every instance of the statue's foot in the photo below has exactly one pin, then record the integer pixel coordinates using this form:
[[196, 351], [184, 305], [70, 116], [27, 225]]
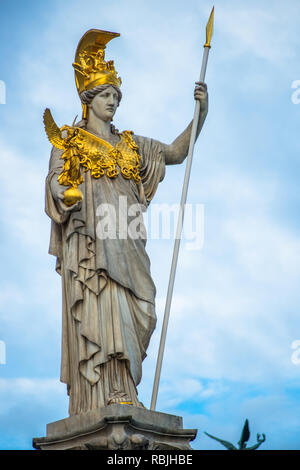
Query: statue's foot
[[120, 398]]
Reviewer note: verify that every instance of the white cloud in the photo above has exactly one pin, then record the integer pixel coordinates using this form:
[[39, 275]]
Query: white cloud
[[259, 31], [22, 188], [35, 390], [269, 253]]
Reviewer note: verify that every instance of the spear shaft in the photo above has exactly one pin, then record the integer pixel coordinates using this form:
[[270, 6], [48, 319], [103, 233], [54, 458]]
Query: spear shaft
[[209, 31]]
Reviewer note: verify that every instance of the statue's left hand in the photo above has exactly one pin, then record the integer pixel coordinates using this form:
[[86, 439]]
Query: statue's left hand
[[200, 94]]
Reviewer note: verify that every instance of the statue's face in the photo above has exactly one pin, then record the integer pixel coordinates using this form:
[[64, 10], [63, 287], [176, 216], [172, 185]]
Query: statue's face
[[104, 104]]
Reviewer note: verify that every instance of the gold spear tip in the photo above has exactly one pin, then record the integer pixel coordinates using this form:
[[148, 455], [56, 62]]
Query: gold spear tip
[[209, 28]]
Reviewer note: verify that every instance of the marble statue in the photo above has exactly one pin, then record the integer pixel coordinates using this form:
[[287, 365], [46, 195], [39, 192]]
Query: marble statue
[[108, 295]]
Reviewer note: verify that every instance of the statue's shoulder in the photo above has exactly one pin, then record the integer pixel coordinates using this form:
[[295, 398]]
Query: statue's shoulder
[[145, 144]]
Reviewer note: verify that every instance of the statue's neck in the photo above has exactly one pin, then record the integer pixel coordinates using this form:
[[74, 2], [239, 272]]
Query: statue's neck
[[98, 126]]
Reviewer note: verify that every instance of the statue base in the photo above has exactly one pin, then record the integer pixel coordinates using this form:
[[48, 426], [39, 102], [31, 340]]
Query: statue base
[[117, 427]]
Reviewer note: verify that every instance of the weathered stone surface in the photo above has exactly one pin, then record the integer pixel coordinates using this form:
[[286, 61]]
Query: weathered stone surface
[[117, 427]]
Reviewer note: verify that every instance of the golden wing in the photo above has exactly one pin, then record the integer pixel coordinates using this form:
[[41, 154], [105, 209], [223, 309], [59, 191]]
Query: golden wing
[[53, 131]]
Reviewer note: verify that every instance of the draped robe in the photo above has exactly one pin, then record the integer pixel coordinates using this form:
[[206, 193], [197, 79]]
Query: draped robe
[[108, 295]]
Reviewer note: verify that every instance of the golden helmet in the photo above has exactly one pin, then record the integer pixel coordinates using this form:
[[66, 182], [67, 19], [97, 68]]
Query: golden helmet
[[91, 69]]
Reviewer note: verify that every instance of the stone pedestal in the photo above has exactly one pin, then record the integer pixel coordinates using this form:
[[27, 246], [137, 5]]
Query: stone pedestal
[[117, 427]]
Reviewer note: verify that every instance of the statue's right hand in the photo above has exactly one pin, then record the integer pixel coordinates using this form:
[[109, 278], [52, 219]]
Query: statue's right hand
[[64, 207]]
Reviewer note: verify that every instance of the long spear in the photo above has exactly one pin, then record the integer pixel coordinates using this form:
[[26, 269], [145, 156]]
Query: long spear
[[209, 32]]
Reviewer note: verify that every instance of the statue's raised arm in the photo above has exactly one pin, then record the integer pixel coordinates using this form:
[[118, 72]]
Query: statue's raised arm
[[177, 151]]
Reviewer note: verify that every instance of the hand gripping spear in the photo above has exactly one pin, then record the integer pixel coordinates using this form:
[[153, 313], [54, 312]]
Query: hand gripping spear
[[209, 32]]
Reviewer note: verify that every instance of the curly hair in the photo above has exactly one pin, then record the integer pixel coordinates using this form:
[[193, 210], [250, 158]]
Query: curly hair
[[88, 96]]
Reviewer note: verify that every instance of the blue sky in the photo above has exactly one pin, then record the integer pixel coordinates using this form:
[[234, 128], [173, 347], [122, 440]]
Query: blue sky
[[235, 310]]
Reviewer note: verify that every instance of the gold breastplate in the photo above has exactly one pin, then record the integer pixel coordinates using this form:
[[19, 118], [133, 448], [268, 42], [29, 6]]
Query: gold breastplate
[[83, 150], [100, 157]]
